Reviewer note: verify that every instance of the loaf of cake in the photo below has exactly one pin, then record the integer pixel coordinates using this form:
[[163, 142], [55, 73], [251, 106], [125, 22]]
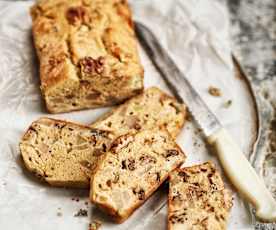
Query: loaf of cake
[[134, 167], [63, 153], [152, 108], [87, 52], [198, 199]]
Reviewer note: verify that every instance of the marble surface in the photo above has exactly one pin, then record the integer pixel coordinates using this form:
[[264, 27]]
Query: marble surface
[[253, 31]]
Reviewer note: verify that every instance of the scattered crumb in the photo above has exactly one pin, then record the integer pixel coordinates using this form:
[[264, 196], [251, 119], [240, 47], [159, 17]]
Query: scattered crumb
[[81, 213], [188, 116], [216, 92], [95, 225], [197, 131], [266, 94], [227, 104], [59, 213], [196, 144], [77, 199], [86, 202]]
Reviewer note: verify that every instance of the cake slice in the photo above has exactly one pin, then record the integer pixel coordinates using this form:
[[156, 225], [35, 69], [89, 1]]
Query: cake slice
[[152, 108], [198, 199], [136, 165], [87, 52], [63, 153]]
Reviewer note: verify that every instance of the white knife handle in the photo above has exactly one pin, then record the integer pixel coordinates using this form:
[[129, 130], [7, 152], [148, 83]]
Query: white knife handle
[[243, 176]]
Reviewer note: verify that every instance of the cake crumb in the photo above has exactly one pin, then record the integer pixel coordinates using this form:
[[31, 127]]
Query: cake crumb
[[81, 213], [59, 214], [228, 103], [95, 225], [214, 91], [198, 131], [189, 116]]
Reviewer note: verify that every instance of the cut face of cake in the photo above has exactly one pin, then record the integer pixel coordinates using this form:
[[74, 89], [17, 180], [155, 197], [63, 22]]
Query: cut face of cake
[[198, 199], [63, 153], [136, 165], [153, 108]]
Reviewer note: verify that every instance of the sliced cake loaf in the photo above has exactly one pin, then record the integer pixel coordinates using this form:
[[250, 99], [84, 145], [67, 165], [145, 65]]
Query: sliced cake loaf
[[132, 170], [150, 109], [198, 199], [63, 153]]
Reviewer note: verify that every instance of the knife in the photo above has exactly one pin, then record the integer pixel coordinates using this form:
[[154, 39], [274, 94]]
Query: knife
[[233, 161]]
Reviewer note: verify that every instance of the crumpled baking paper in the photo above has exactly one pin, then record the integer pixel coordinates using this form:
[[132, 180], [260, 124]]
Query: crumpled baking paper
[[195, 32]]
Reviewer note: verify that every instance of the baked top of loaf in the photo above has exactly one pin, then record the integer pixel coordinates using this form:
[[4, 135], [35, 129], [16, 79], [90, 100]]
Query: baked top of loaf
[[152, 108], [132, 170], [198, 199], [87, 51], [63, 153]]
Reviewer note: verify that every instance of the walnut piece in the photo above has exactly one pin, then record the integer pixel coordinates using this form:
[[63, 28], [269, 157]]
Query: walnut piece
[[89, 65], [172, 152], [216, 92]]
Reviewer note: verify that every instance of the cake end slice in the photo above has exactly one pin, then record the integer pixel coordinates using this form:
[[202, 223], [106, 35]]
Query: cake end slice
[[198, 199]]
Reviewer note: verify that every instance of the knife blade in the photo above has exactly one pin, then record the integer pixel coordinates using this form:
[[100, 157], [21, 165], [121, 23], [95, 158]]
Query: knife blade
[[178, 81], [233, 161]]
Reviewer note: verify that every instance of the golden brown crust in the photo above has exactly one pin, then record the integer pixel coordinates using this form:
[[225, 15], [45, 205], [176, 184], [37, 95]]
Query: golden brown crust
[[87, 52], [63, 153], [152, 108], [163, 158], [198, 198]]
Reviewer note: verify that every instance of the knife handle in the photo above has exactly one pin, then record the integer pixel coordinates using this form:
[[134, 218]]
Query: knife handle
[[243, 176]]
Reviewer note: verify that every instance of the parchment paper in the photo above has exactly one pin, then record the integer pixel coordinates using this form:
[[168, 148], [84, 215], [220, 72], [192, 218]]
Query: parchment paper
[[196, 34]]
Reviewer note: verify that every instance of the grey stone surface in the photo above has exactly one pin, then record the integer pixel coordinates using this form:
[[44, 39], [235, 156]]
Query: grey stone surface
[[253, 31]]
